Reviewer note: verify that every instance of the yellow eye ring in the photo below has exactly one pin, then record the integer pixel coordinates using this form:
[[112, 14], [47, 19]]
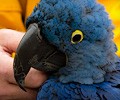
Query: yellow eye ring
[[77, 36]]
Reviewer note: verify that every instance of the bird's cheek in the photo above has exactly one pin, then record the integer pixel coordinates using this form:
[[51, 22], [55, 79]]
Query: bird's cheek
[[76, 46]]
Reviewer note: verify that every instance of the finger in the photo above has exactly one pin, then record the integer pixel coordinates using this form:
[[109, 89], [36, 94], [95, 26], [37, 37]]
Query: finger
[[6, 67], [34, 79], [15, 93], [10, 39]]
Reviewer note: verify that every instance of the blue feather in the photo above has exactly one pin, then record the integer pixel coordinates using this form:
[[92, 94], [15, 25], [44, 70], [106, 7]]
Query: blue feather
[[76, 91]]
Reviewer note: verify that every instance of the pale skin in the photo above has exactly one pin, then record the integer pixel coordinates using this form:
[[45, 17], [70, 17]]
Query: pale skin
[[9, 90]]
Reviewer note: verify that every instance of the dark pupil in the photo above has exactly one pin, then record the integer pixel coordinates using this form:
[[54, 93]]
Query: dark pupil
[[76, 38]]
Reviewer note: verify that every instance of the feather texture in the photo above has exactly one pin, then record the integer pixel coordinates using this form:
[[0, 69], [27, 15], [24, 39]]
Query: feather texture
[[53, 89], [92, 69]]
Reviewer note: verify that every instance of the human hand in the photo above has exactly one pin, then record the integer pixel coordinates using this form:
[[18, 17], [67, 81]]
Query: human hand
[[9, 40]]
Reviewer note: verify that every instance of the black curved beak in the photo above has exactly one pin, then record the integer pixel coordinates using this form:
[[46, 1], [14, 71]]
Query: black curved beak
[[35, 52]]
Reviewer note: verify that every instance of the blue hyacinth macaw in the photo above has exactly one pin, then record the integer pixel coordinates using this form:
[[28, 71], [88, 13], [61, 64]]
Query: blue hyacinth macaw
[[71, 40]]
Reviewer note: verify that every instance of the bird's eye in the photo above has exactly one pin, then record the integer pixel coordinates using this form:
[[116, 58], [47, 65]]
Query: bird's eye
[[77, 36]]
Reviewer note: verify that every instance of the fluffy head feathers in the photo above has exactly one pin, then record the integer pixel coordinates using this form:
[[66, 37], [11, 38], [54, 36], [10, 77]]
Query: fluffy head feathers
[[90, 59]]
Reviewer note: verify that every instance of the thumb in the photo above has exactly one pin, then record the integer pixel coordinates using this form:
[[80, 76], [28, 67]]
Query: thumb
[[10, 39]]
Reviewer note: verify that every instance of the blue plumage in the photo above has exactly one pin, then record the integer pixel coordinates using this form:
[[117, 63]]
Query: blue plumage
[[92, 67], [53, 89]]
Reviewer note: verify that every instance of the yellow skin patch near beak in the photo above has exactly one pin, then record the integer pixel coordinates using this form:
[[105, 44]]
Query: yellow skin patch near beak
[[77, 36], [13, 55]]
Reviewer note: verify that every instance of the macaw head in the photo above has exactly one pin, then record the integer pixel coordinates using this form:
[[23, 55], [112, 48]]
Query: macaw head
[[81, 30]]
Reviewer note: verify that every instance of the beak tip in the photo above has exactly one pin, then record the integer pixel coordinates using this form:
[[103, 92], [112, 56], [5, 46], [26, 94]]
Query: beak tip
[[21, 85], [19, 73]]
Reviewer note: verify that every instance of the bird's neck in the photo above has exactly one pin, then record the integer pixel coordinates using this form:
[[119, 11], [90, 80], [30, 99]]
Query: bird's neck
[[85, 71]]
